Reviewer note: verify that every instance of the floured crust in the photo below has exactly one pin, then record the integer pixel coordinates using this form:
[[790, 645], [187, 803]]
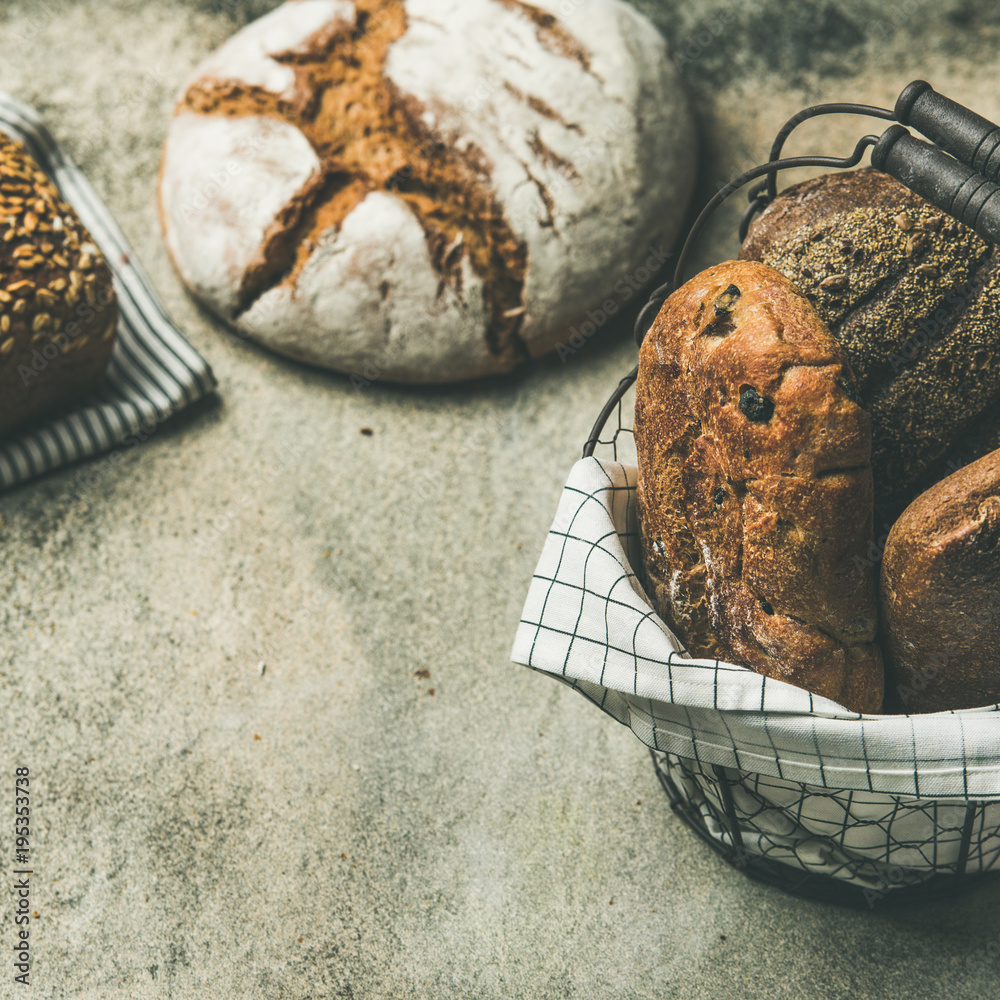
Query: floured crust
[[217, 232], [940, 594], [58, 310], [540, 159], [755, 490]]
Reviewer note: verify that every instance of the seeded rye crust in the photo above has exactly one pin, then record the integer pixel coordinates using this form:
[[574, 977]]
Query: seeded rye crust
[[914, 298], [755, 490], [940, 594], [57, 305], [424, 190]]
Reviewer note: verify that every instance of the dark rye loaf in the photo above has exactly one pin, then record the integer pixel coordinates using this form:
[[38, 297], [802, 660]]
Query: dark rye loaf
[[913, 297], [940, 594], [755, 490]]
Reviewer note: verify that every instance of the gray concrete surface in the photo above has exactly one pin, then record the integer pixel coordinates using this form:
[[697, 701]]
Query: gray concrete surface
[[391, 809]]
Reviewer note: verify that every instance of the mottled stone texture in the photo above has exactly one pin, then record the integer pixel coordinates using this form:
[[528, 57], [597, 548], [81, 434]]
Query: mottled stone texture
[[329, 827]]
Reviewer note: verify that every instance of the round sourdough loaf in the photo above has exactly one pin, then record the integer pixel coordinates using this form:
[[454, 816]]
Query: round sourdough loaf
[[426, 190], [58, 310]]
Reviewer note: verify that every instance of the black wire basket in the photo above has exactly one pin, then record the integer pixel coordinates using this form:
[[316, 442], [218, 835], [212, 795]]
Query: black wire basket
[[843, 846]]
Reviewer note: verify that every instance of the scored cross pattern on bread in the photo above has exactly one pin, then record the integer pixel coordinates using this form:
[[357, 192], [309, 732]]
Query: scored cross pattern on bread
[[755, 485], [370, 136], [441, 188]]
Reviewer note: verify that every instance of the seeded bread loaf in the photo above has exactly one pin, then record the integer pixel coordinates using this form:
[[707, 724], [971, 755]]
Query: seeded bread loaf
[[425, 190], [914, 299], [57, 304], [940, 594], [755, 490]]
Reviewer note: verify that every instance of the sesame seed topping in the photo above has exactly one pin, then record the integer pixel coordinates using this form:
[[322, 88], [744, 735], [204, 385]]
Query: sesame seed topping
[[48, 261]]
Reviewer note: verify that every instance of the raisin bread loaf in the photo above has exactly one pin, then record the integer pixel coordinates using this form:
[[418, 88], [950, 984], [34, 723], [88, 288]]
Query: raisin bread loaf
[[755, 488]]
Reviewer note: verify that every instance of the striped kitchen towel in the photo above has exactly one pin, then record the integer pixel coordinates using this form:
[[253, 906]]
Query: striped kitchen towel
[[154, 372]]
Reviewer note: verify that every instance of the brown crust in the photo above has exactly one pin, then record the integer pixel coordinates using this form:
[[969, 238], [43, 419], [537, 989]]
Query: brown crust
[[58, 310], [913, 297], [940, 594], [370, 137], [755, 496]]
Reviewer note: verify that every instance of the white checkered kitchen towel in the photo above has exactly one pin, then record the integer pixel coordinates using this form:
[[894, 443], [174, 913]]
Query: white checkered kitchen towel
[[154, 372], [586, 621]]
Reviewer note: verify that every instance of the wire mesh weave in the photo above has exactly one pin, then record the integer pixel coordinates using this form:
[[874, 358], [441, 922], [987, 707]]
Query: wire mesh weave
[[846, 846]]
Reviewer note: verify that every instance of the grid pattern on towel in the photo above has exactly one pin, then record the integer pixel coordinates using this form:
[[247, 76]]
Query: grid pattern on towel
[[588, 623], [153, 373]]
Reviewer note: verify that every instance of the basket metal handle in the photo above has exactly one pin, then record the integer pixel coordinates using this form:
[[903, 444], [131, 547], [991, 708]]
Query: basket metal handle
[[613, 400]]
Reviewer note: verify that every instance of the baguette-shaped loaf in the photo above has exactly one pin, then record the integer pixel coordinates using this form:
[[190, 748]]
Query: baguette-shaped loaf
[[940, 594], [755, 485]]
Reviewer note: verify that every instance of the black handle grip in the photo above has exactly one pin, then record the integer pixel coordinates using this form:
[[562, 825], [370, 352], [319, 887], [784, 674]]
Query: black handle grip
[[943, 181], [957, 130]]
